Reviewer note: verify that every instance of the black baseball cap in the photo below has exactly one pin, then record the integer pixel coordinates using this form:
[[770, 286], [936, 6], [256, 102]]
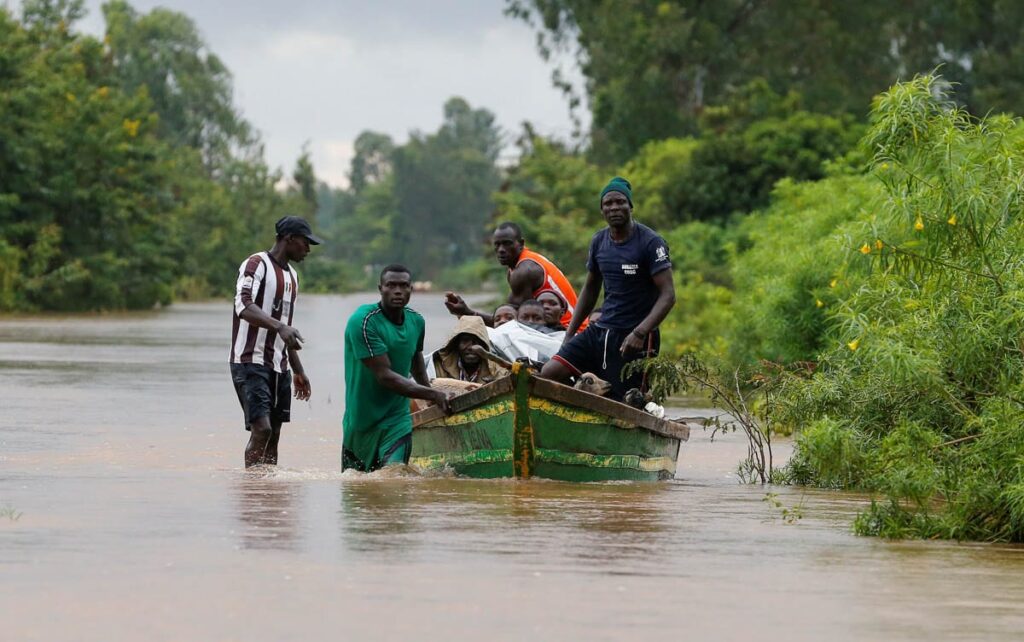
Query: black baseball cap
[[299, 227]]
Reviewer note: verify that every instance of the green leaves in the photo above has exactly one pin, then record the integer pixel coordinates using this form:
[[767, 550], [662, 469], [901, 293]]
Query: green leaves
[[922, 358], [100, 206], [653, 69]]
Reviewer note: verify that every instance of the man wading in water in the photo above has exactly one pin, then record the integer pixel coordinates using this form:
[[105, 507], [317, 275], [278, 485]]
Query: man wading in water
[[529, 274], [383, 346], [263, 341], [632, 263]]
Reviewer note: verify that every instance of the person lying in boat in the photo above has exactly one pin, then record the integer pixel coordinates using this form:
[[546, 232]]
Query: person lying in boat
[[503, 314], [554, 310], [531, 314], [517, 339], [456, 360], [529, 274]]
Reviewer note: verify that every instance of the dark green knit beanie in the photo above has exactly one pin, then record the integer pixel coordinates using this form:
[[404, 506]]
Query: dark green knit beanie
[[621, 185]]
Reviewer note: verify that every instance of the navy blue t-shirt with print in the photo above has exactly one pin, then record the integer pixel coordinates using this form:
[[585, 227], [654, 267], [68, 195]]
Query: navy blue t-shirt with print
[[626, 269]]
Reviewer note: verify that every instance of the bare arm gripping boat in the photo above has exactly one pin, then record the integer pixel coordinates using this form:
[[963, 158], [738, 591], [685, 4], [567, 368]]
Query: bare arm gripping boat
[[522, 426]]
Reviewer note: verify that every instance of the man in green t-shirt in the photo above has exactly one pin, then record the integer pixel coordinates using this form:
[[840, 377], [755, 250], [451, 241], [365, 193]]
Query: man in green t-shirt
[[383, 346]]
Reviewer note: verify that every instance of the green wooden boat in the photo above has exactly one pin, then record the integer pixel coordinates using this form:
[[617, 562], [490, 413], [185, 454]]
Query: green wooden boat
[[522, 426]]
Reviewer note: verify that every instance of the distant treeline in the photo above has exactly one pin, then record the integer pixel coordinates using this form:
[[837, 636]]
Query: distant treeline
[[129, 179]]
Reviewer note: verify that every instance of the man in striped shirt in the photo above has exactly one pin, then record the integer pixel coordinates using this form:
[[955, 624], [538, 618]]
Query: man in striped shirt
[[263, 341]]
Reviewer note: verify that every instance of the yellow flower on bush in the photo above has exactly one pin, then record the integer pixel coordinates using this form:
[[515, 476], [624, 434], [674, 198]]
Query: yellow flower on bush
[[952, 220], [865, 249], [853, 345], [885, 165], [833, 283], [131, 127], [103, 92], [919, 224], [878, 244], [71, 97], [818, 303]]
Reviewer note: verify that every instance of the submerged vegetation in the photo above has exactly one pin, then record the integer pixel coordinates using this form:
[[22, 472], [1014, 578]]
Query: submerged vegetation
[[917, 394], [895, 296]]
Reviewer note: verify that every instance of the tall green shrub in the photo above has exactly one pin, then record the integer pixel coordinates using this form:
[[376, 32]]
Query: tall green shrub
[[918, 393]]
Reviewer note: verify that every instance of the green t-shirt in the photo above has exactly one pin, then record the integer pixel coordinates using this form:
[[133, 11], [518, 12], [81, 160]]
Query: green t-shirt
[[375, 417]]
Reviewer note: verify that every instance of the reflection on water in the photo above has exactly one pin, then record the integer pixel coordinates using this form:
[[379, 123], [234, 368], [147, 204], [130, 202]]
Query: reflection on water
[[120, 446], [585, 520], [268, 511]]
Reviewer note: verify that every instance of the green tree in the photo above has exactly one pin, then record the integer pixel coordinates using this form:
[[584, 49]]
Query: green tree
[[87, 204], [372, 160], [916, 394], [653, 66], [190, 87], [443, 185], [553, 195]]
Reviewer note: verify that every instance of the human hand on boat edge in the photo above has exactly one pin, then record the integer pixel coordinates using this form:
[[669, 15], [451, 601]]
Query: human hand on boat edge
[[442, 399]]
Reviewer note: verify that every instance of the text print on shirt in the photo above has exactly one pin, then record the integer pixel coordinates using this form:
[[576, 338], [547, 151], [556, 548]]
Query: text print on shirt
[[630, 268], [285, 304]]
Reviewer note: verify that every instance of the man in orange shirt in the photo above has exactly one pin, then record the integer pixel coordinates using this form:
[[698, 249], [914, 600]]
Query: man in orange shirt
[[529, 274]]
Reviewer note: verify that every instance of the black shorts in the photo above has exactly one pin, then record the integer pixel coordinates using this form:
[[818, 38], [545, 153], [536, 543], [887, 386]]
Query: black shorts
[[596, 350], [262, 392]]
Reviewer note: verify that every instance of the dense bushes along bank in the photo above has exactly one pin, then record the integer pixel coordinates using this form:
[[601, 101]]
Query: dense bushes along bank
[[902, 289]]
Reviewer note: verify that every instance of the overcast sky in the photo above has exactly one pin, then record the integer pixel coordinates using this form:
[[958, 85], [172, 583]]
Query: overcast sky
[[324, 70]]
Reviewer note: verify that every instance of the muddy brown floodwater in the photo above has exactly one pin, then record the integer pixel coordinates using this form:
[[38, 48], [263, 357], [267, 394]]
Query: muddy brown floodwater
[[125, 515]]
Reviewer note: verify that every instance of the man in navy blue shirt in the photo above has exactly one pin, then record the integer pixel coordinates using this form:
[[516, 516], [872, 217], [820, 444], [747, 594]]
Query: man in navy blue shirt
[[631, 262]]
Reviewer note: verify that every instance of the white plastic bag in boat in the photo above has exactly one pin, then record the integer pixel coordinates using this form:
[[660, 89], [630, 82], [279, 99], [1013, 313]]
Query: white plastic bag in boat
[[514, 340]]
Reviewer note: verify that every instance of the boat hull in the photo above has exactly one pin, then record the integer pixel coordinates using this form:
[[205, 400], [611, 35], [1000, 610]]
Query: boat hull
[[522, 427]]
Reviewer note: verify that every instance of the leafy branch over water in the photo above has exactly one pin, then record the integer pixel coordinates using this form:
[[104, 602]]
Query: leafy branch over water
[[748, 404]]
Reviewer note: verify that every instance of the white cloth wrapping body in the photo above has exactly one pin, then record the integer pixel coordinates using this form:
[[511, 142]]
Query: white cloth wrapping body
[[514, 340]]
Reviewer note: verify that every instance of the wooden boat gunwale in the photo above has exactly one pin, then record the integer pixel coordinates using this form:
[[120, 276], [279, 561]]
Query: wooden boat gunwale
[[553, 391]]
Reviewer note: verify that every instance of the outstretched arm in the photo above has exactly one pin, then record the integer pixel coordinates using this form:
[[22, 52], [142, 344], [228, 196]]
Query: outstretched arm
[[523, 281], [380, 366], [458, 306]]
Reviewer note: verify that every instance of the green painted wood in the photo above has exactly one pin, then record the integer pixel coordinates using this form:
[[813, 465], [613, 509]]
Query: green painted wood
[[522, 439], [468, 442], [562, 433], [513, 432], [563, 472]]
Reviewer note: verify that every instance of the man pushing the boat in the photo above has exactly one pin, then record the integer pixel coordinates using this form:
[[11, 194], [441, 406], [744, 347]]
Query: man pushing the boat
[[383, 347], [631, 261], [529, 274]]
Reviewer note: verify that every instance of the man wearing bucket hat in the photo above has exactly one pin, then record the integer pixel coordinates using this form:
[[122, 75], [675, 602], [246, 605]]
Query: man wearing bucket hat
[[264, 344], [631, 261]]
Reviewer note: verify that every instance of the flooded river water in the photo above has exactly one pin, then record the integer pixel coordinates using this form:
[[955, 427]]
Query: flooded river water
[[125, 515]]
